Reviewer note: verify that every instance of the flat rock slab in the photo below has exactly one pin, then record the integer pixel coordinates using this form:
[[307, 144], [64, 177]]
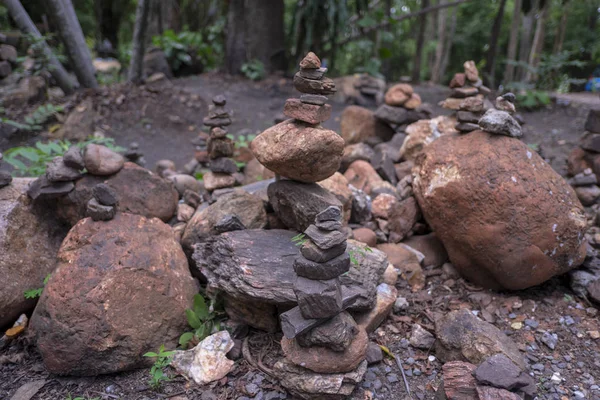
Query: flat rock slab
[[258, 265]]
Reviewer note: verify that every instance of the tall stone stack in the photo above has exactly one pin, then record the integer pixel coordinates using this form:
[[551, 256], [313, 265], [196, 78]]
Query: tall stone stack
[[467, 98], [220, 147]]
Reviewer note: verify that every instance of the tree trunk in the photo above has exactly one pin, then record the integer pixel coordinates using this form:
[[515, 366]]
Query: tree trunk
[[538, 41], [422, 22], [560, 37], [72, 37], [235, 47], [139, 41], [265, 33], [490, 66], [26, 25], [525, 41], [509, 72], [441, 41], [448, 45], [386, 65]]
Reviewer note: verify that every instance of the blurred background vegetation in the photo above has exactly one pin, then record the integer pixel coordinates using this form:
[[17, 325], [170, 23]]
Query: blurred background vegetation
[[555, 44]]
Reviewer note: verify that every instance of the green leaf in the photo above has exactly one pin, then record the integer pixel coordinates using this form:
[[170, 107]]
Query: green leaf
[[385, 53], [200, 308], [30, 154], [150, 354], [193, 319], [55, 147], [185, 338]]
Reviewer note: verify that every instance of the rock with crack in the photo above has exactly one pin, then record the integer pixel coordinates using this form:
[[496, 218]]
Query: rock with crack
[[487, 178], [258, 265], [309, 385], [461, 336], [335, 334], [207, 361]]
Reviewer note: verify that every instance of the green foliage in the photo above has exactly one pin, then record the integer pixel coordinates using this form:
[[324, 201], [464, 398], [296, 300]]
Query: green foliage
[[35, 293], [35, 120], [185, 48], [81, 398], [162, 361], [31, 161], [242, 140], [42, 62], [299, 239], [254, 69], [203, 319], [532, 99], [358, 251]]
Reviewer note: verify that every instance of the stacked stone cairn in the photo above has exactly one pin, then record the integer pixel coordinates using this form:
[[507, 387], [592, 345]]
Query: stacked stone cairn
[[467, 98], [311, 107], [62, 172], [5, 177], [402, 107], [220, 147], [584, 162]]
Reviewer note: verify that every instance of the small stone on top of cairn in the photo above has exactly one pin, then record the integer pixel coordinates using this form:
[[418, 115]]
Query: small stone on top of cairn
[[499, 121], [5, 177], [311, 107], [219, 148]]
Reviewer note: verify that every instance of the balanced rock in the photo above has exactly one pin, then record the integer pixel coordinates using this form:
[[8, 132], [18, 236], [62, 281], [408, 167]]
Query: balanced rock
[[318, 299], [99, 212], [297, 204], [324, 360], [336, 334], [140, 192], [322, 271], [487, 178], [74, 158], [299, 151], [58, 171], [398, 94], [309, 113], [120, 289], [100, 160], [500, 123]]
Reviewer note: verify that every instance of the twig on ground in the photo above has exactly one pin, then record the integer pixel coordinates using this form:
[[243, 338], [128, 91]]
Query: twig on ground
[[399, 363]]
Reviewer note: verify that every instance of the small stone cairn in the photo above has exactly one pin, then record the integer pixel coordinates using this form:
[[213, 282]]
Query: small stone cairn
[[402, 106], [583, 162], [220, 147], [5, 177], [62, 172], [310, 107]]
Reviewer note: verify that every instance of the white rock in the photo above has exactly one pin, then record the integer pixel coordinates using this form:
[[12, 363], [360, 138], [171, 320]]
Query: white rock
[[556, 378], [207, 362]]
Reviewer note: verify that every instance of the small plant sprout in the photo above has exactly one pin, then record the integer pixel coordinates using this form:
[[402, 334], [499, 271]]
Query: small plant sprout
[[299, 239], [203, 319], [35, 293], [162, 361]]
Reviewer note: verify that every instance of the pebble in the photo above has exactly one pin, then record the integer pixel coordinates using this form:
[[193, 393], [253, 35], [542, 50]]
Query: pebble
[[538, 367], [532, 323], [556, 378], [416, 372], [252, 389], [392, 378], [410, 361], [579, 395], [512, 315], [550, 340]]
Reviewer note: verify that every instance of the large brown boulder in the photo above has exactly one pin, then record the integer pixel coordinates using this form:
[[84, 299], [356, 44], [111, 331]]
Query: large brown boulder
[[299, 151], [358, 124], [120, 289], [140, 192], [29, 239], [506, 218]]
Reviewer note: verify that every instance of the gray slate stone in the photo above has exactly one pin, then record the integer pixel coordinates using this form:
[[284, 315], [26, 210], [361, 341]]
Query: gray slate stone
[[591, 142], [592, 123], [43, 189], [105, 194], [467, 116], [5, 179], [313, 73], [229, 223], [374, 353], [500, 123], [384, 165], [318, 299], [325, 240], [315, 99], [312, 252], [224, 165], [361, 206], [74, 158], [98, 212], [322, 271], [392, 115], [58, 171], [335, 334], [499, 371], [331, 213], [466, 127], [329, 225]]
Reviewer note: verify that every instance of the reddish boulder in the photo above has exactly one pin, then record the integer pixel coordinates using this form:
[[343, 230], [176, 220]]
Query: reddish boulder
[[365, 235], [459, 383], [29, 239], [120, 289], [363, 176], [506, 218], [577, 162], [140, 192], [358, 124], [431, 247]]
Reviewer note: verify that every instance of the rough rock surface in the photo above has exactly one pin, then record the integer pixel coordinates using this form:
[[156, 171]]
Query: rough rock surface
[[324, 360], [337, 184], [29, 240], [257, 265], [297, 204], [358, 124], [120, 289], [461, 336], [514, 222], [459, 383], [140, 192], [299, 151], [336, 334], [247, 207], [100, 160], [309, 385]]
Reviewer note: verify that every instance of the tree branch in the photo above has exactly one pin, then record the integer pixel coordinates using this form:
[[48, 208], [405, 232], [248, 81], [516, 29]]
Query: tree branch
[[366, 31]]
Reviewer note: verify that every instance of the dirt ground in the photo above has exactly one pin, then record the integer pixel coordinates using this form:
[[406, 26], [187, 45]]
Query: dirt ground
[[164, 123]]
